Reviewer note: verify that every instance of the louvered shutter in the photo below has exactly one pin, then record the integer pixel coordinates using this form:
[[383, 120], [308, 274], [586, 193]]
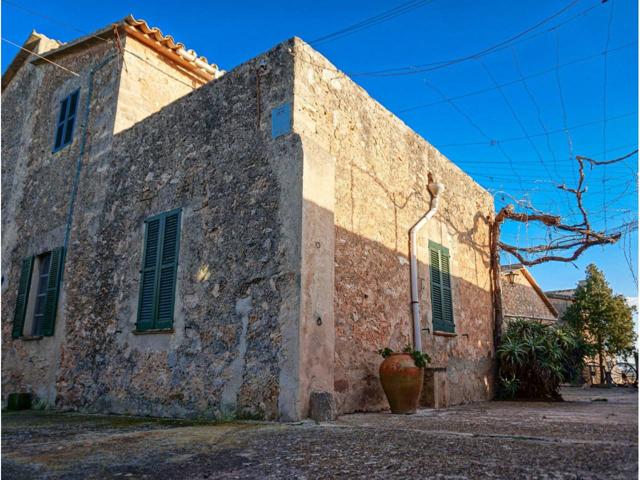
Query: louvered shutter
[[71, 118], [447, 304], [66, 121], [158, 275], [146, 302], [23, 296], [168, 269], [436, 289], [441, 297], [53, 291], [62, 120]]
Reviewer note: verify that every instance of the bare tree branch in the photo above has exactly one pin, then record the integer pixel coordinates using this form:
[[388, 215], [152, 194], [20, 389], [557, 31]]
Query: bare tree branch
[[606, 162], [565, 242], [557, 258]]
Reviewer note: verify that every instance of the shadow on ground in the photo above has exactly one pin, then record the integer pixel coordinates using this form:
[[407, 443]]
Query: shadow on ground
[[594, 434]]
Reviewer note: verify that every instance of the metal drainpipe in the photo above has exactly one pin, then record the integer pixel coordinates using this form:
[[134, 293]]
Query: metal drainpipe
[[83, 142], [435, 189]]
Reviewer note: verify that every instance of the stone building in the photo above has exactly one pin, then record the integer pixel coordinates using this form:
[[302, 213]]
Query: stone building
[[522, 297], [561, 299], [182, 241]]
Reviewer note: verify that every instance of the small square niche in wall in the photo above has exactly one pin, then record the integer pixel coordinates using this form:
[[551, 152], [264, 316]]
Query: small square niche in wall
[[281, 120]]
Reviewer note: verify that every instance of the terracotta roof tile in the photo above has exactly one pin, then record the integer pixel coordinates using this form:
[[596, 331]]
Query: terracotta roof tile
[[178, 48]]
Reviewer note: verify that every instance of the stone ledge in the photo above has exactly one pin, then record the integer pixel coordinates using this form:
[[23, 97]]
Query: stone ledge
[[30, 338], [153, 332], [444, 334]]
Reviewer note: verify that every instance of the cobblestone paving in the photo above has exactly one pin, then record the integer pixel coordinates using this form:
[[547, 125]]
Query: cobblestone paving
[[593, 434]]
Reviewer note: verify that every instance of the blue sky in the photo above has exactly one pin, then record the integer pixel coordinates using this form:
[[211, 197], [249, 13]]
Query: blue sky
[[510, 139]]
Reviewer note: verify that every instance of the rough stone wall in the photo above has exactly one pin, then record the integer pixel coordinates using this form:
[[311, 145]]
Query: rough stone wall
[[560, 304], [36, 186], [521, 300], [148, 82], [234, 345], [234, 340], [381, 174]]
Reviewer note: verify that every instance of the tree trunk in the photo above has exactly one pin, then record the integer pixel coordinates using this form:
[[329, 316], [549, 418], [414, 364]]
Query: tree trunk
[[497, 290], [601, 364]]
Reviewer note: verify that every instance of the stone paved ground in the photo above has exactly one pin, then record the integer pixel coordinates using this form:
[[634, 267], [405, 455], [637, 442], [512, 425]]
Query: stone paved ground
[[581, 438]]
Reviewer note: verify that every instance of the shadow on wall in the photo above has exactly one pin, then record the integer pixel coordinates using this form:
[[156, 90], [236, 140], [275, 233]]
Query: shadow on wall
[[372, 311], [237, 282], [237, 276]]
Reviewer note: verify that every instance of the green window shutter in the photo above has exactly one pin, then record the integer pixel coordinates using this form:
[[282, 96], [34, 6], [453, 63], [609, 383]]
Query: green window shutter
[[158, 275], [441, 298], [23, 296], [53, 292], [66, 121], [146, 301], [447, 304], [436, 289], [168, 270]]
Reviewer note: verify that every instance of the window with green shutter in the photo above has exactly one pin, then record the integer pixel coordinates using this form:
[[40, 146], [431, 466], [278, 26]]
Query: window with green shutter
[[23, 296], [53, 292], [158, 272], [441, 300], [41, 306], [66, 121]]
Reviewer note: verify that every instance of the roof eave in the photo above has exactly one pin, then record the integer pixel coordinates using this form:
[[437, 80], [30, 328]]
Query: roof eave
[[167, 53], [537, 288], [102, 35]]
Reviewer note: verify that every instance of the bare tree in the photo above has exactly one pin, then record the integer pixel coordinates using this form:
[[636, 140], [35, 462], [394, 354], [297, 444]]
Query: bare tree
[[566, 241]]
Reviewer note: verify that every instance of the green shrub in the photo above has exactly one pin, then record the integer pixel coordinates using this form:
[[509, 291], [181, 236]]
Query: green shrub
[[508, 388], [419, 358], [533, 360]]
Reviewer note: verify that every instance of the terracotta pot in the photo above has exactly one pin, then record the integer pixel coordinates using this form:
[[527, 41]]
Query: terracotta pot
[[402, 382]]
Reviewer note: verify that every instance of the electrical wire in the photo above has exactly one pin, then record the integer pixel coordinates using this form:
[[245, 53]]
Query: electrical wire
[[517, 119], [525, 85], [604, 102], [40, 56], [93, 35], [563, 163], [476, 126], [493, 142], [371, 21], [412, 70], [516, 81]]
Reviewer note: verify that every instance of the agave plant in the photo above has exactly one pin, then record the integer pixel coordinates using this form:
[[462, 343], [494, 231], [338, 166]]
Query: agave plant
[[533, 359]]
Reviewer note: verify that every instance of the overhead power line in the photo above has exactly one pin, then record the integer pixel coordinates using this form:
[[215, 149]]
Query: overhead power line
[[522, 79], [525, 85], [427, 67], [93, 35], [40, 56], [493, 142], [478, 128], [517, 119], [46, 17], [371, 21], [569, 163], [604, 105]]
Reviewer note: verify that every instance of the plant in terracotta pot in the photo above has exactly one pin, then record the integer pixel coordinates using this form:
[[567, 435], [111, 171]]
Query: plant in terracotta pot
[[401, 375]]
